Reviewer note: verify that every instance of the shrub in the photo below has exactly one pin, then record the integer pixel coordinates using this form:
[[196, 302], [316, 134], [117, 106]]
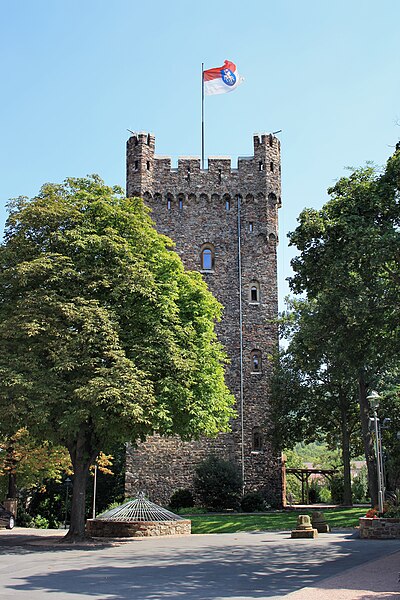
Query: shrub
[[325, 494], [181, 498], [313, 492], [39, 522], [218, 483], [253, 502], [337, 489], [359, 487]]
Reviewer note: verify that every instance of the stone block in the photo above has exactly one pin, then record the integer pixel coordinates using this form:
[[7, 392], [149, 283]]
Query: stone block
[[304, 533]]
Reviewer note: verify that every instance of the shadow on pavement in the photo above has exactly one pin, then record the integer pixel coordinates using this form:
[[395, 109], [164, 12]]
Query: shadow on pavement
[[206, 573]]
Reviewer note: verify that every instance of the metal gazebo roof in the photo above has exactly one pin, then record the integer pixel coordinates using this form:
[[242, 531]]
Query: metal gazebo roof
[[139, 509]]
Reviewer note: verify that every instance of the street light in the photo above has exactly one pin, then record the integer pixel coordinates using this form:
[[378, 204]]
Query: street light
[[374, 399], [67, 484]]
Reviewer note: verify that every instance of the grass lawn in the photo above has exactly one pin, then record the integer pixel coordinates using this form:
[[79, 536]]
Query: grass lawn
[[283, 520]]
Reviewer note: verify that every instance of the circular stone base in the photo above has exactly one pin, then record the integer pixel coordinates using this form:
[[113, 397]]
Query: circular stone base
[[103, 528]]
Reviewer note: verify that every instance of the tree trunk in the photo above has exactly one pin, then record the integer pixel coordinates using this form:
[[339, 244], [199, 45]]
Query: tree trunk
[[11, 465], [82, 456], [347, 498], [368, 441]]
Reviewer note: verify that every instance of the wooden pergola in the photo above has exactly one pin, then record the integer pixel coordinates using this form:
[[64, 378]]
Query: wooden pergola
[[303, 476]]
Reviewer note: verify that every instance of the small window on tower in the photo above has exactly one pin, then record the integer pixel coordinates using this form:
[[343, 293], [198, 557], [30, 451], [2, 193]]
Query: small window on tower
[[261, 166], [180, 204], [257, 440], [251, 227], [207, 257], [254, 296], [148, 165], [136, 165], [169, 204], [256, 361], [271, 166], [227, 204]]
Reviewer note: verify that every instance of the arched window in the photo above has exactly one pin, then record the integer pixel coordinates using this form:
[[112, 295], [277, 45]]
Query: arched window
[[256, 439], [256, 365], [227, 201], [254, 292], [180, 203], [207, 257], [272, 239]]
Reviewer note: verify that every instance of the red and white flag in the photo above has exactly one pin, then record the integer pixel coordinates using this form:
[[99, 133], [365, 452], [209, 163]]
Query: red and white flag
[[222, 79]]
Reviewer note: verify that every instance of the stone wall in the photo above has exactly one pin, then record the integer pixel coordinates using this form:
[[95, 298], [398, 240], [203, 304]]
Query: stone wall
[[379, 529], [103, 528], [204, 209]]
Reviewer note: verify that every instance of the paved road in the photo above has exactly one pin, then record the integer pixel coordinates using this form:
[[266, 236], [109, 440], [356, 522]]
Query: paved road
[[241, 566]]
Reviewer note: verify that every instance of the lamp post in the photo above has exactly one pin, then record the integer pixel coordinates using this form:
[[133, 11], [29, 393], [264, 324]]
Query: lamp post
[[67, 484], [94, 490], [374, 399]]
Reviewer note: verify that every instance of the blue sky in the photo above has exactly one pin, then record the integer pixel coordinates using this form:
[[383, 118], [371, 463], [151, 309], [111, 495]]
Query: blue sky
[[77, 74]]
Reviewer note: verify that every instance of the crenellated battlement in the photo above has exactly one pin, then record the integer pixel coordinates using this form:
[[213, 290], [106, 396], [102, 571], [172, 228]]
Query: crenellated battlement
[[148, 173]]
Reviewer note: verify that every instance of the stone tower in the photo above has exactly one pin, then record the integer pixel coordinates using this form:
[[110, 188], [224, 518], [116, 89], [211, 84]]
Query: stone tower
[[224, 222]]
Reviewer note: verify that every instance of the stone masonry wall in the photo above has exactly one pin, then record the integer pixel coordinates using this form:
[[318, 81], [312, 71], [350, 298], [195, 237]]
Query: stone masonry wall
[[200, 208], [379, 529], [103, 528]]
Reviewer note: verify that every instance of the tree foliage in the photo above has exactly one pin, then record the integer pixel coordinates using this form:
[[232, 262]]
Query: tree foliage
[[349, 265], [104, 336], [313, 392]]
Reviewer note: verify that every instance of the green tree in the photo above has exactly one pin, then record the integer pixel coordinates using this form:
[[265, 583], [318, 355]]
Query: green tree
[[104, 336], [313, 392], [25, 463], [349, 263]]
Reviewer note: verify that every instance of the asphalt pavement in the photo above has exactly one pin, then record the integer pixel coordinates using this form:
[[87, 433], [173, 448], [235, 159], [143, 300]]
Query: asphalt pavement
[[240, 566]]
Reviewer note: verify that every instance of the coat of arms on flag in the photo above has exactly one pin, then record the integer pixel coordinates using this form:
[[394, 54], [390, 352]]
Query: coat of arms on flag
[[222, 79]]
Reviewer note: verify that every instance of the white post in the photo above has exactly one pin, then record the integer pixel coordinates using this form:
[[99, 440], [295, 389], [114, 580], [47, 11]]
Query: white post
[[94, 491]]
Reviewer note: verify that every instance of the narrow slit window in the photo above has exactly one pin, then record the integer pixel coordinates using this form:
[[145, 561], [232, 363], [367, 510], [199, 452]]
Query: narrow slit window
[[207, 259], [271, 166], [261, 166], [136, 165], [257, 439], [169, 204], [227, 204], [148, 165], [251, 227], [256, 361], [180, 204], [254, 294]]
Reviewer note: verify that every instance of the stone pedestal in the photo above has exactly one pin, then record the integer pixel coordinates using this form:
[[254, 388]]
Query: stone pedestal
[[304, 528], [11, 505], [319, 523]]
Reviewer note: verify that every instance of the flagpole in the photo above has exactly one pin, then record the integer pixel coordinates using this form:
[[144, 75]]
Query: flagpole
[[202, 115]]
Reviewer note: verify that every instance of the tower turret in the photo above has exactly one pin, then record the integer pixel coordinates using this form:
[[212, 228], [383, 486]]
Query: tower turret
[[140, 163]]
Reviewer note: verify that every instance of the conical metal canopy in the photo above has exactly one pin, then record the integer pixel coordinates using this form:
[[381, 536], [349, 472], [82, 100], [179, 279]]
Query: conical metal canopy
[[139, 509]]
